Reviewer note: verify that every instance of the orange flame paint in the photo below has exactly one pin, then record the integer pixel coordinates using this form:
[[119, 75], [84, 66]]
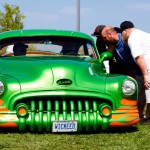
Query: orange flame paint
[[1, 102], [9, 124]]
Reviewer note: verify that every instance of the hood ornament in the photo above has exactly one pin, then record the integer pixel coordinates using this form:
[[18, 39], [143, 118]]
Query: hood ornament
[[64, 82]]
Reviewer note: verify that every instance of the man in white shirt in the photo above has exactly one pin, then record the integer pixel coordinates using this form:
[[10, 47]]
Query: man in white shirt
[[139, 43]]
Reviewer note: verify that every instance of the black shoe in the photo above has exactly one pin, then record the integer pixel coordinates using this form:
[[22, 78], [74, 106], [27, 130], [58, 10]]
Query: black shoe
[[142, 118], [145, 121]]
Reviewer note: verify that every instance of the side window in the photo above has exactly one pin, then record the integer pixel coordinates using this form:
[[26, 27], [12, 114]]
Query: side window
[[81, 51], [87, 50], [91, 50]]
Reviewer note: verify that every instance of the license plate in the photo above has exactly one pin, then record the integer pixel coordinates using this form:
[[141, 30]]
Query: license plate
[[64, 126]]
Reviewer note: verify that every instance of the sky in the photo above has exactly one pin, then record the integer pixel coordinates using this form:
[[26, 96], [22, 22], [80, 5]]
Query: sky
[[62, 14]]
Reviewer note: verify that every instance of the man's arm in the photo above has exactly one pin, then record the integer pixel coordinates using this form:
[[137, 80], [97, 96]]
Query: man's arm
[[141, 63]]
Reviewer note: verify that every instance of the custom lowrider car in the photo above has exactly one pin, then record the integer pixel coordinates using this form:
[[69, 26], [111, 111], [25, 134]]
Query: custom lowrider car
[[61, 84]]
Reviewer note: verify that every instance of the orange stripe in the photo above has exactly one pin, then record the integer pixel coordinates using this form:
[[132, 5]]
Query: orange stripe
[[127, 107], [9, 124], [4, 110], [128, 102], [130, 118], [118, 116], [119, 124], [1, 102], [126, 111]]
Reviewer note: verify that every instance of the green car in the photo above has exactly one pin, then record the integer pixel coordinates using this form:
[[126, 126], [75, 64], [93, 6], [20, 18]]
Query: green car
[[55, 81]]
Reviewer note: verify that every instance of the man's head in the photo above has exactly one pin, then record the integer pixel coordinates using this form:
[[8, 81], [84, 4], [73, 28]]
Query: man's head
[[19, 49], [126, 29], [126, 25], [98, 30], [109, 34]]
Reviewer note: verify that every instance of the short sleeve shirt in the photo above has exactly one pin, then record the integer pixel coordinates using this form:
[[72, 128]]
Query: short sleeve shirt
[[139, 43], [124, 52]]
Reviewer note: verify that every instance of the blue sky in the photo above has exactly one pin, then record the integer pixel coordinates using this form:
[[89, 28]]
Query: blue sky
[[62, 14]]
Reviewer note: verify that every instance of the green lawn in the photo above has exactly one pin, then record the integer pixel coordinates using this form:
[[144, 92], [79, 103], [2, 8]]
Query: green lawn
[[131, 138]]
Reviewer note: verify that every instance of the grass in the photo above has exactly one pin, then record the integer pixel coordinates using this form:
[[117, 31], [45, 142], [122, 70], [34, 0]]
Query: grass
[[130, 138]]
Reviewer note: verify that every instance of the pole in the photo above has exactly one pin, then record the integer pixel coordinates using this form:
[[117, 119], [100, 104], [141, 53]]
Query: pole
[[78, 15]]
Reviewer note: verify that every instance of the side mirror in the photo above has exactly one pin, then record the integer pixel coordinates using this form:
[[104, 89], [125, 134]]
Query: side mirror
[[105, 56]]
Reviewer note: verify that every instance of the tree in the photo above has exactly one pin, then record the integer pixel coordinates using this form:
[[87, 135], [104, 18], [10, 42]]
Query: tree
[[11, 18]]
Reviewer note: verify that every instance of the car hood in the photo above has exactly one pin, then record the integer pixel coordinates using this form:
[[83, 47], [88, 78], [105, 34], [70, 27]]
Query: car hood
[[44, 73]]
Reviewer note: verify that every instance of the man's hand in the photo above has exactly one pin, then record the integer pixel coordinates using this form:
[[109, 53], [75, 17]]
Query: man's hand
[[146, 82]]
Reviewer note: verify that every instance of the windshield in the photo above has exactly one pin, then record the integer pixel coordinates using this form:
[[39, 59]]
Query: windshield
[[49, 45]]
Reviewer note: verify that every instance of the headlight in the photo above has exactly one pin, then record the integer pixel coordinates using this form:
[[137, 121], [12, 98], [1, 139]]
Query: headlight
[[128, 87], [1, 87]]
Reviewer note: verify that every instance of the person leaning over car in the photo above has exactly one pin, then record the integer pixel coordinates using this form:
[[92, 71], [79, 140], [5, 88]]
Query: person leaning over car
[[123, 54], [116, 65], [139, 44], [100, 43]]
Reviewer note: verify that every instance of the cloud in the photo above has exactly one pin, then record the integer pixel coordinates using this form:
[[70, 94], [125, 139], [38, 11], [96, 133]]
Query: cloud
[[45, 17], [140, 6], [69, 10], [85, 11], [40, 20]]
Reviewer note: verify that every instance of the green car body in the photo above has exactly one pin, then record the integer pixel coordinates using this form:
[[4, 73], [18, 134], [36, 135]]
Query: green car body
[[54, 91]]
